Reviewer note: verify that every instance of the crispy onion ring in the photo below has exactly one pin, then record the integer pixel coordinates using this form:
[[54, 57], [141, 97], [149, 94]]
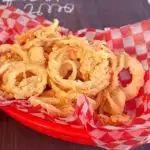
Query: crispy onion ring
[[27, 87], [137, 72], [93, 66], [111, 102]]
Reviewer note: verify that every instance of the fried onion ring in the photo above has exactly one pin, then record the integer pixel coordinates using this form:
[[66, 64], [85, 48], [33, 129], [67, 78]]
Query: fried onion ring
[[93, 66], [137, 72], [27, 87], [111, 102]]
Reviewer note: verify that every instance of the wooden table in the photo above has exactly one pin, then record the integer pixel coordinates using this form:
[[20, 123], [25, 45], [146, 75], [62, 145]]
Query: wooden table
[[86, 13]]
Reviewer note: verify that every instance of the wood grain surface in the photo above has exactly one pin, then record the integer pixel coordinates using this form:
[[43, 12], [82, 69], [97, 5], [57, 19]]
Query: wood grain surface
[[86, 13]]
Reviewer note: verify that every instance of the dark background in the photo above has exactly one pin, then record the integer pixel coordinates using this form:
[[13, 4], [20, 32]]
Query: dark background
[[86, 13]]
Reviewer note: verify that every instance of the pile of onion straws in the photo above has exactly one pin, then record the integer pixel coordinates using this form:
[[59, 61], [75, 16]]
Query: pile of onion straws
[[53, 70]]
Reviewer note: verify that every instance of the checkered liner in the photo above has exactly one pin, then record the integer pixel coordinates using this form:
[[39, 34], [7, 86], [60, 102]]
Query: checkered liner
[[135, 40]]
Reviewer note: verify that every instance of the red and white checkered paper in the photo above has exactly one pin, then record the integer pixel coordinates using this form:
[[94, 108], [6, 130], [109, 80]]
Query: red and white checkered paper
[[135, 40]]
